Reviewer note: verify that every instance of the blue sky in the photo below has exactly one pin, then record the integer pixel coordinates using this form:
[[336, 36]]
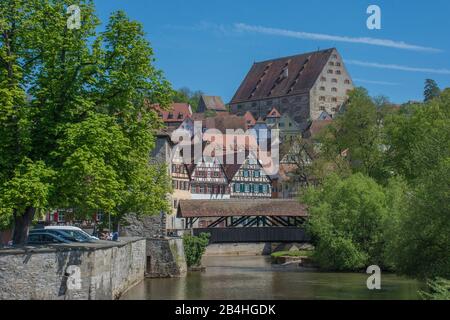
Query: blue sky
[[210, 45]]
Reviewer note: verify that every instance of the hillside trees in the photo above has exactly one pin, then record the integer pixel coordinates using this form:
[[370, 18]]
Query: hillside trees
[[402, 159]]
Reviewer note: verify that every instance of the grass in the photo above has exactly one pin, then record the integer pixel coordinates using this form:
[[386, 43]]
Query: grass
[[297, 253]]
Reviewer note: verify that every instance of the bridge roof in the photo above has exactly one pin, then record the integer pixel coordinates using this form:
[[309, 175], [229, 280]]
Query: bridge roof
[[240, 208]]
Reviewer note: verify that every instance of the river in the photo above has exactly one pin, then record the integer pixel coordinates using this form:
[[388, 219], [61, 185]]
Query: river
[[228, 278]]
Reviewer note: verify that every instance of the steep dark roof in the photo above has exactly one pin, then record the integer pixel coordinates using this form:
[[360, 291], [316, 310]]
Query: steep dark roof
[[268, 78], [213, 103], [240, 208]]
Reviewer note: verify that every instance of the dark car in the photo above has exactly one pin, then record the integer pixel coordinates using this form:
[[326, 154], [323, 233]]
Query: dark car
[[66, 235], [43, 238]]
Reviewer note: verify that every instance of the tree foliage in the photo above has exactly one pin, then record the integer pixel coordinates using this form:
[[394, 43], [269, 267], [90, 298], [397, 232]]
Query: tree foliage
[[431, 90], [186, 95], [357, 134], [407, 153], [75, 129], [348, 219], [194, 248]]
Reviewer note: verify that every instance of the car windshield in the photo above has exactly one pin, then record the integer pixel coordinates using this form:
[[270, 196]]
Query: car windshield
[[78, 235]]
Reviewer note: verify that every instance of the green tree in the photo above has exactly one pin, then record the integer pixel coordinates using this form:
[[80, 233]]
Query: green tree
[[431, 90], [348, 217], [186, 95], [438, 289], [419, 150], [74, 126], [357, 133]]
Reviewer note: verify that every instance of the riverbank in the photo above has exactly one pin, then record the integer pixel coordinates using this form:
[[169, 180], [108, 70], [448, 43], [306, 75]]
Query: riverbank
[[254, 277]]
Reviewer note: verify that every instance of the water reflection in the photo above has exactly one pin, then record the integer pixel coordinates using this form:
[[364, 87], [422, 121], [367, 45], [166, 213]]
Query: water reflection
[[255, 278]]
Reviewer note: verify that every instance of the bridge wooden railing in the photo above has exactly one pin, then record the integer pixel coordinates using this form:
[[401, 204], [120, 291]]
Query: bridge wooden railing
[[261, 234]]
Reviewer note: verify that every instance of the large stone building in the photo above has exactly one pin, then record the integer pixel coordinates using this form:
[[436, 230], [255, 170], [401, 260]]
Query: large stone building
[[302, 86]]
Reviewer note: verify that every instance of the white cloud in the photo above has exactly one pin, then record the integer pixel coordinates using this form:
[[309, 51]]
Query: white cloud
[[384, 83], [396, 67], [325, 37]]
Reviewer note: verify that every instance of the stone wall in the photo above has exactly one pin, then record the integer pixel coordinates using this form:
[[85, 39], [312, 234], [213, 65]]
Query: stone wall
[[165, 258], [143, 226], [100, 271]]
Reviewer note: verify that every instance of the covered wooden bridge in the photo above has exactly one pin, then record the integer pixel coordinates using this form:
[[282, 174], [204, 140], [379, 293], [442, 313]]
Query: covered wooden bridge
[[246, 220]]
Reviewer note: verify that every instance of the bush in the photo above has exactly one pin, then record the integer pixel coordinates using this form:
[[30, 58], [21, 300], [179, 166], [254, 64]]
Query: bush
[[194, 248], [348, 217], [438, 289]]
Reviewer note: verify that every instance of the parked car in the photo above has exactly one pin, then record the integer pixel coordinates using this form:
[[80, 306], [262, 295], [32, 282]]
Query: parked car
[[43, 238], [65, 235], [72, 230]]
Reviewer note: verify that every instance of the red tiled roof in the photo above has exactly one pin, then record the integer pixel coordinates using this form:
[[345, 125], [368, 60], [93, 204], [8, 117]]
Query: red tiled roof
[[241, 208], [317, 126], [177, 112], [283, 76]]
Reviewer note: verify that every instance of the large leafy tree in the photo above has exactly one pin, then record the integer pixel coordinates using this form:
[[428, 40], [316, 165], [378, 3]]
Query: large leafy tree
[[348, 219], [419, 149], [357, 134], [75, 129]]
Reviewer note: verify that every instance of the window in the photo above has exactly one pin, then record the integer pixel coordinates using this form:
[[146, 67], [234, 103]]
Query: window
[[260, 188], [209, 190], [246, 173], [170, 116], [330, 71], [61, 216], [347, 81], [247, 188], [254, 104], [334, 99], [331, 63], [281, 124], [335, 56], [338, 71], [256, 174], [338, 64], [333, 109], [323, 79], [334, 80], [322, 98], [241, 187], [333, 89], [215, 174], [239, 106], [202, 189], [180, 116], [322, 88], [322, 108]]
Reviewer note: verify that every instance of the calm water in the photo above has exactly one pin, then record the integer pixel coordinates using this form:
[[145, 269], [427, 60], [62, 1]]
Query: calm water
[[256, 278]]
